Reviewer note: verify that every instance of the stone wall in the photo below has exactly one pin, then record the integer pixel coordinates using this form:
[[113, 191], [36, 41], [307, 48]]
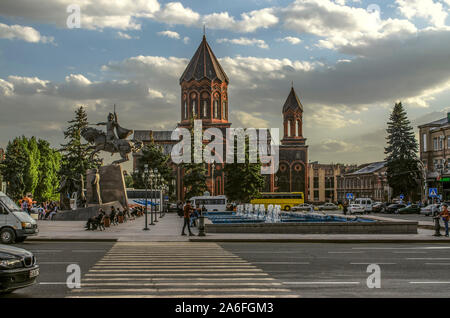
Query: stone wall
[[84, 214]]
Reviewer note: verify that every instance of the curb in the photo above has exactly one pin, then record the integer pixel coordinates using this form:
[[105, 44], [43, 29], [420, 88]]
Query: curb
[[65, 239], [338, 241]]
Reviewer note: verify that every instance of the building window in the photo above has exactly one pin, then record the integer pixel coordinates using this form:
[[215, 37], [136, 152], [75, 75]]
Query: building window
[[185, 110], [424, 142], [216, 108], [224, 109], [316, 182], [435, 143], [316, 195]]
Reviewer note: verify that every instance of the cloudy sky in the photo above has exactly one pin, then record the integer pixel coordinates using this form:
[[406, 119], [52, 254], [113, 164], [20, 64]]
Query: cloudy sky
[[350, 60]]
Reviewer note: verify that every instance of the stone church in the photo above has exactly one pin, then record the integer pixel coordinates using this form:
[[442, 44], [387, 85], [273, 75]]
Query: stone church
[[204, 96]]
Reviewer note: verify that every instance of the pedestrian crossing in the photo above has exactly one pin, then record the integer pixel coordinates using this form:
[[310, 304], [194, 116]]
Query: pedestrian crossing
[[176, 269]]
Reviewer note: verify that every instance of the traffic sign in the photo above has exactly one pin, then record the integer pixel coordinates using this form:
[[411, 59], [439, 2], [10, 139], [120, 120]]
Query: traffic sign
[[349, 196], [402, 196], [432, 192]]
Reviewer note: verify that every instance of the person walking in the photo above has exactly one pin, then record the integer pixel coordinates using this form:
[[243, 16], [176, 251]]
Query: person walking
[[187, 215], [345, 208], [445, 217]]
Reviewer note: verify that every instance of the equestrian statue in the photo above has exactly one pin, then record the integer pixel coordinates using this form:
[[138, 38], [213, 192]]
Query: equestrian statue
[[114, 141]]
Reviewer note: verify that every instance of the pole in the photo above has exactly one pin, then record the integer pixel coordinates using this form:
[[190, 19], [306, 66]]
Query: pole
[[146, 199], [157, 191], [151, 208]]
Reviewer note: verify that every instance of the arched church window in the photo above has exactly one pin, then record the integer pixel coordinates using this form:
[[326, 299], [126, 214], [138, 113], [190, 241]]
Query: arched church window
[[216, 108], [224, 109], [289, 128], [185, 110], [296, 130], [205, 112]]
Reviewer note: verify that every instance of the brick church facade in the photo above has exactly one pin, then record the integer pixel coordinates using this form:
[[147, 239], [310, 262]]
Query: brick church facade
[[204, 96]]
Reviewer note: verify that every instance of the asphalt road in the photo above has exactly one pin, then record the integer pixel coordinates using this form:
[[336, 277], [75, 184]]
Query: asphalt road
[[53, 259], [233, 269], [412, 217]]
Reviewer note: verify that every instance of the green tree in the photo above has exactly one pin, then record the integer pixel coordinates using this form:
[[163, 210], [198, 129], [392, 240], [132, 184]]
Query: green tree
[[243, 181], [401, 154], [49, 165], [14, 168], [153, 155], [194, 173], [75, 155], [31, 177]]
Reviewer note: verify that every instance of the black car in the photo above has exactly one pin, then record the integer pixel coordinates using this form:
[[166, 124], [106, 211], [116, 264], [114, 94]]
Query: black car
[[18, 268], [394, 207]]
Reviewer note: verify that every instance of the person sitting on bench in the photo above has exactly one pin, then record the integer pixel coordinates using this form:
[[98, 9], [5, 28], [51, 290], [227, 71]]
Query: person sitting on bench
[[94, 222]]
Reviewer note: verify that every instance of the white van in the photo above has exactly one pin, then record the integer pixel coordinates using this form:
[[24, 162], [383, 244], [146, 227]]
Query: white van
[[15, 225], [366, 203], [216, 203]]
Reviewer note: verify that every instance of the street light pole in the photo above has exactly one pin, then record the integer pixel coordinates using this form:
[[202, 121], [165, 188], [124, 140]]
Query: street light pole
[[157, 177], [152, 180], [212, 175], [146, 195]]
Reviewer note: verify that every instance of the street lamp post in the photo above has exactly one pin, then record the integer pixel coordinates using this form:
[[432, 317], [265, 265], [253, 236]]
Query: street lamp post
[[146, 195], [212, 175], [152, 183], [158, 191]]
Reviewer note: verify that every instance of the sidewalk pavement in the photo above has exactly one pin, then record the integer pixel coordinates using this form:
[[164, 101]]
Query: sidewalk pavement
[[168, 229]]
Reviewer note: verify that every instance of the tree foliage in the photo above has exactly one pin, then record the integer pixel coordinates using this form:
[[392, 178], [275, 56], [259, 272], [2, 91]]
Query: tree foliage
[[153, 155], [401, 153], [243, 181], [31, 166], [75, 154]]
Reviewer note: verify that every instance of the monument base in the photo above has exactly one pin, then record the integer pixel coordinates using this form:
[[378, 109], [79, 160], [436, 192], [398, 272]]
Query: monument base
[[112, 185]]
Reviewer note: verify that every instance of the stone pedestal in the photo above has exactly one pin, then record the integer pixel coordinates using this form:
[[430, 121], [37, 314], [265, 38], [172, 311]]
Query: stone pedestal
[[112, 185]]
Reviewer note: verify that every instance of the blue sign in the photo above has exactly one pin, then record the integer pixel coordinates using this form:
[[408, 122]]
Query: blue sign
[[402, 196], [433, 192], [349, 196]]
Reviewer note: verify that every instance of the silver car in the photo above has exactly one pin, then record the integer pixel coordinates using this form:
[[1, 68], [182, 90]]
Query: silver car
[[328, 207], [303, 207], [431, 209]]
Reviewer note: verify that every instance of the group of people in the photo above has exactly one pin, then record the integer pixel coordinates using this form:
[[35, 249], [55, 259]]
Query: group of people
[[45, 210], [114, 215]]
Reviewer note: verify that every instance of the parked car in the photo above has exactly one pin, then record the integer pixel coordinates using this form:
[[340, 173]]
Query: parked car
[[18, 268], [410, 209], [15, 225], [392, 208], [328, 207], [379, 207], [431, 209], [303, 207], [355, 208]]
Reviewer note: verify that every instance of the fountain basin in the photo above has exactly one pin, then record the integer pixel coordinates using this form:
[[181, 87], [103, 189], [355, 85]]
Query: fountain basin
[[311, 223]]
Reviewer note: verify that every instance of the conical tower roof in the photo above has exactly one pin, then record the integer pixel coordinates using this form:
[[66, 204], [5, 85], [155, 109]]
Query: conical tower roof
[[204, 64], [292, 102]]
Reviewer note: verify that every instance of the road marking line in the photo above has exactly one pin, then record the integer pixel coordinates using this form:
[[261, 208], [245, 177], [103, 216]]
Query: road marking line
[[443, 264], [52, 283], [180, 279], [107, 267], [89, 251], [187, 296], [162, 290], [322, 283], [345, 252], [218, 285], [176, 270], [46, 251], [429, 282], [57, 263], [373, 263], [428, 258], [176, 274], [282, 263]]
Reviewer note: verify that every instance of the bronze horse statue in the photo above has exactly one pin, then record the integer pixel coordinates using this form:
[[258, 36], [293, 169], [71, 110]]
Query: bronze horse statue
[[121, 146]]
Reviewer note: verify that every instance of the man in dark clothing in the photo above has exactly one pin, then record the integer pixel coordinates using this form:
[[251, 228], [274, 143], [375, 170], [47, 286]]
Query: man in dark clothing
[[96, 219], [187, 215], [345, 207]]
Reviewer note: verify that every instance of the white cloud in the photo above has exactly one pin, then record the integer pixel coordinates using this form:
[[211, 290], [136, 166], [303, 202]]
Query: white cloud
[[432, 11], [95, 14], [25, 33], [176, 13], [291, 39], [245, 120], [245, 41], [249, 22], [330, 145], [170, 34], [126, 36], [340, 25]]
